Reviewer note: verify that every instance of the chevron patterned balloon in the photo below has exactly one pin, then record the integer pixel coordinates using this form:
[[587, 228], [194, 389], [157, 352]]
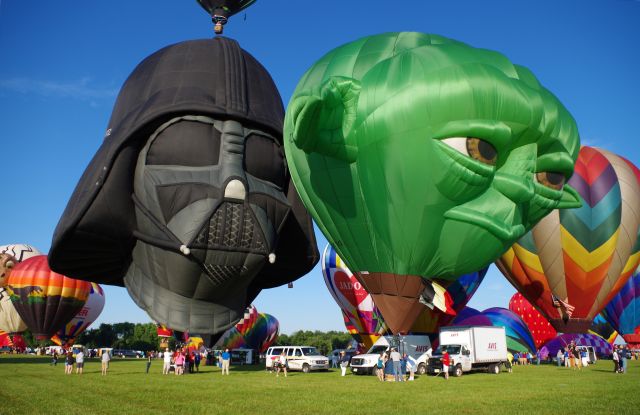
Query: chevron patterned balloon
[[623, 312], [582, 256]]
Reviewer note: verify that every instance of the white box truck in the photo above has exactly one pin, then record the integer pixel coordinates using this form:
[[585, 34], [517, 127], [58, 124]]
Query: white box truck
[[418, 347], [470, 348]]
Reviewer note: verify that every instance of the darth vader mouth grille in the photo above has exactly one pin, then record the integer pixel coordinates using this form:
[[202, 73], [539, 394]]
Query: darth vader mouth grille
[[232, 226], [220, 274]]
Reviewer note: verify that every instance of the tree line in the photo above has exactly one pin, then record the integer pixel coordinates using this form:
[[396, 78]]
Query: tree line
[[143, 336]]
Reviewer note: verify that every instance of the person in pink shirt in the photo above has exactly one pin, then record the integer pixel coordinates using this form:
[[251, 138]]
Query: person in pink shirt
[[179, 363]]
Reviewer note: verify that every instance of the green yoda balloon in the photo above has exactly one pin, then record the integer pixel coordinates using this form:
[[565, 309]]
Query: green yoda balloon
[[423, 158]]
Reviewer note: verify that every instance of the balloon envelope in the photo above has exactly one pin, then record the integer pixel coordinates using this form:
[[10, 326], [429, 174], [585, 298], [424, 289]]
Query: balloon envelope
[[45, 300], [19, 252], [583, 256], [600, 345], [10, 320], [538, 325], [623, 311], [376, 144], [85, 317]]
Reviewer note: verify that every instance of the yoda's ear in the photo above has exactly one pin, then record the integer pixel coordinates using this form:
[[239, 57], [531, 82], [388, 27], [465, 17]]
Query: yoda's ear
[[570, 198], [323, 118]]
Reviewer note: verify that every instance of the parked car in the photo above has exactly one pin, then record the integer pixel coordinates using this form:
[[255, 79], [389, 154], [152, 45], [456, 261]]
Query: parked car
[[304, 358]]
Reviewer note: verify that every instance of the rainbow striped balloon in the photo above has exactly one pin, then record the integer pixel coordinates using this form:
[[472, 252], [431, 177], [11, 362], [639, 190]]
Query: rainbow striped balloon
[[583, 256], [45, 300], [623, 312]]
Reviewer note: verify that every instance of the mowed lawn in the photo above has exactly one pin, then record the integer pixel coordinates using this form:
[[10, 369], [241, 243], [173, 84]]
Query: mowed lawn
[[29, 385]]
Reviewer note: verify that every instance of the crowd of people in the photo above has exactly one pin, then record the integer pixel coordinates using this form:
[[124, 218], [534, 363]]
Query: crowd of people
[[182, 360], [396, 363]]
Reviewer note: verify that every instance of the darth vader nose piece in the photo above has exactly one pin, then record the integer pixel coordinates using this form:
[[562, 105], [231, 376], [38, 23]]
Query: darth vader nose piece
[[235, 190]]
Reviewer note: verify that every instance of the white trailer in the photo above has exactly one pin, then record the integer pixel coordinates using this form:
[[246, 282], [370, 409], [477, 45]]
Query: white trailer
[[470, 348]]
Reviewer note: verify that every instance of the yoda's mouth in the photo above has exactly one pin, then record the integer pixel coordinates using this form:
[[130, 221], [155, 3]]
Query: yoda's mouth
[[500, 230]]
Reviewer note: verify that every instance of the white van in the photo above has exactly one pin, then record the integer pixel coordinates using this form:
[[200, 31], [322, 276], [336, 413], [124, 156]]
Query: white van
[[304, 358], [416, 346]]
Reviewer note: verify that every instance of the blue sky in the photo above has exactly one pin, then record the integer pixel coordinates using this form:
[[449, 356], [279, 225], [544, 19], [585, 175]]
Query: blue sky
[[62, 64]]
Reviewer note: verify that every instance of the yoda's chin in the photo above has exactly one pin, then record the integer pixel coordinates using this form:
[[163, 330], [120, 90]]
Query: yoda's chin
[[466, 247]]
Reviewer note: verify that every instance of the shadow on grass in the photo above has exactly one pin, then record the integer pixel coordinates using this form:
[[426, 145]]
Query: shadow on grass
[[34, 359]]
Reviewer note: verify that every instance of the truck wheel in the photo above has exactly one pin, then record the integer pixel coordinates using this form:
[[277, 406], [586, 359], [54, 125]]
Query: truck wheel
[[495, 368], [305, 368], [422, 369], [457, 372]]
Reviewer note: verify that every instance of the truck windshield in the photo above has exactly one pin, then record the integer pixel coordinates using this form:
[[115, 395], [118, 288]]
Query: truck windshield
[[307, 351], [377, 349], [451, 348]]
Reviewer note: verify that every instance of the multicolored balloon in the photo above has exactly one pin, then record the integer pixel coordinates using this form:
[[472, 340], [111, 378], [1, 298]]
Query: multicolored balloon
[[519, 338], [355, 302], [603, 328], [12, 254], [623, 312], [540, 328], [85, 317], [10, 320], [600, 345], [409, 151], [582, 256], [9, 340], [259, 335], [44, 299], [264, 333]]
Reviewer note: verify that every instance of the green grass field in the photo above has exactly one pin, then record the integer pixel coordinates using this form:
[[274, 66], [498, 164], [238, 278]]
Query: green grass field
[[29, 385]]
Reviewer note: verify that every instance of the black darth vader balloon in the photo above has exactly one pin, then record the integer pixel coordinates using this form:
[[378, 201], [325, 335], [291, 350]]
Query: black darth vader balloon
[[188, 202]]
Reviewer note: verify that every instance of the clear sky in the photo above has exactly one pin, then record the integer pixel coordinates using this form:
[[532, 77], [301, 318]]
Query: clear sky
[[62, 64]]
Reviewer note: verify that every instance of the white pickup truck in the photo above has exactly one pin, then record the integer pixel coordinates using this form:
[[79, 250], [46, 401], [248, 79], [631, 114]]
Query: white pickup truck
[[418, 347], [470, 348]]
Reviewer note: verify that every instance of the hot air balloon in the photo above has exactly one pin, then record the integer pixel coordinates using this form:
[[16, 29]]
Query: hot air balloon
[[623, 311], [163, 331], [420, 157], [602, 328], [221, 10], [10, 320], [354, 301], [45, 300], [85, 317], [574, 261], [12, 254], [600, 345], [196, 138], [538, 325], [263, 334], [519, 338]]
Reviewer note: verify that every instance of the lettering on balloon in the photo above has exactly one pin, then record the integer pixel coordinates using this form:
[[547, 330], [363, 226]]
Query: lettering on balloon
[[83, 312], [349, 287]]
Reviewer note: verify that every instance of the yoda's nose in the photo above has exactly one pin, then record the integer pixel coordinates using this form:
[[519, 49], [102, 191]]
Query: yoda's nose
[[519, 189]]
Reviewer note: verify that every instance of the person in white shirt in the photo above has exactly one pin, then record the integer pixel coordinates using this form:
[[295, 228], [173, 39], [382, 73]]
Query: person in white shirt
[[282, 365], [167, 362], [395, 358], [105, 361], [79, 362]]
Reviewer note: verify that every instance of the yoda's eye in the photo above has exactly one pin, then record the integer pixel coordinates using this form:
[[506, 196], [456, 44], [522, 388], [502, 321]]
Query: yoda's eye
[[476, 148], [550, 179]]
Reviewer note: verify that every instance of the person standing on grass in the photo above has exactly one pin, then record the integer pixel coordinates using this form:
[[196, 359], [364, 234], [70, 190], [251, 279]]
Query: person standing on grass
[[509, 363], [616, 360], [166, 359], [226, 359], [623, 359], [382, 359], [412, 364], [54, 360], [105, 361], [559, 356], [344, 362], [281, 365], [395, 360], [334, 360], [446, 361], [79, 362], [179, 363], [69, 361], [197, 358], [148, 361]]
